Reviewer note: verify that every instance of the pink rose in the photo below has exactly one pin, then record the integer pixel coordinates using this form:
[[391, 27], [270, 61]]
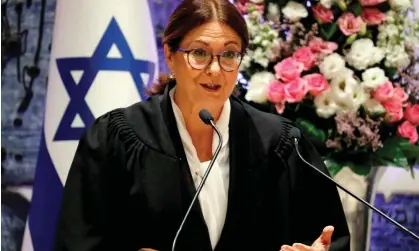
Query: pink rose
[[306, 57], [373, 16], [280, 107], [411, 114], [316, 83], [408, 131], [276, 91], [323, 14], [399, 94], [349, 24], [243, 6], [288, 69], [370, 2], [394, 109], [383, 92], [318, 45], [295, 90]]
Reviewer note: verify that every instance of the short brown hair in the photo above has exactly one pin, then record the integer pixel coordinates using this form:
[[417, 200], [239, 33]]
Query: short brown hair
[[190, 14]]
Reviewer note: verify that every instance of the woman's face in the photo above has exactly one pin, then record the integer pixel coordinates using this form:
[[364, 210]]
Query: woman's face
[[209, 87]]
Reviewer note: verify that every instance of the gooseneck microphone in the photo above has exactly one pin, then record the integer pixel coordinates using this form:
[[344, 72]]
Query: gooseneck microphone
[[296, 136], [207, 118]]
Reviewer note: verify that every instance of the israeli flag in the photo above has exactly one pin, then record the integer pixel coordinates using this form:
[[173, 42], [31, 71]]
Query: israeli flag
[[103, 57]]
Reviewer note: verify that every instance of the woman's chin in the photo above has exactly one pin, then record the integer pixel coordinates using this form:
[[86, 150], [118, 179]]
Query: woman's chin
[[210, 103]]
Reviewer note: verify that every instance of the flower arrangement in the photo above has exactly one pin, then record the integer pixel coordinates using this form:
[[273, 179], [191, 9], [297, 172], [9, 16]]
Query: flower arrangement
[[346, 71]]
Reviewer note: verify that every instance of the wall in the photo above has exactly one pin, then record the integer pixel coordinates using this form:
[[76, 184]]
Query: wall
[[25, 61], [22, 101]]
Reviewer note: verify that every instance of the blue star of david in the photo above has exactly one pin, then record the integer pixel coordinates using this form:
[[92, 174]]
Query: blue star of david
[[91, 66]]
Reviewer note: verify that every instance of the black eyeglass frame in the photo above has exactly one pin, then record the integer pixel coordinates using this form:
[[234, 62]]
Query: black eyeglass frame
[[218, 56]]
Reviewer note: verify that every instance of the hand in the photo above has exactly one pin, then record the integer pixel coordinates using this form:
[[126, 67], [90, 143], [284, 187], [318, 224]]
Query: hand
[[321, 244]]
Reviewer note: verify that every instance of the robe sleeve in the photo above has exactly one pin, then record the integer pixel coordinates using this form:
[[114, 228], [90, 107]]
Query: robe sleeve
[[316, 201], [95, 193]]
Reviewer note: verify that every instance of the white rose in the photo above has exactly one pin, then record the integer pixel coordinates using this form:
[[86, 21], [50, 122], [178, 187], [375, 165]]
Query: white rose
[[327, 3], [372, 106], [257, 1], [257, 39], [349, 98], [325, 105], [342, 87], [294, 11], [397, 57], [245, 64], [363, 54], [253, 29], [266, 43], [373, 77], [273, 34], [391, 30], [377, 54], [359, 97], [262, 61], [257, 87], [273, 12], [400, 4], [260, 57], [332, 65], [390, 16]]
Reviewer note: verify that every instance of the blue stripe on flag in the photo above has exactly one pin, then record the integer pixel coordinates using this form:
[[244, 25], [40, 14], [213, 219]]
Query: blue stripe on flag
[[46, 201]]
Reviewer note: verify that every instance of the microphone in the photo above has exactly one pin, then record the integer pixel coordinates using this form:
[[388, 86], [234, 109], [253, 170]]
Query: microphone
[[207, 118], [296, 136]]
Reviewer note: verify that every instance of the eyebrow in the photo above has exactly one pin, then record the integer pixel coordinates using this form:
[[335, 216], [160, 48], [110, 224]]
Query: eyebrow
[[207, 44], [231, 42]]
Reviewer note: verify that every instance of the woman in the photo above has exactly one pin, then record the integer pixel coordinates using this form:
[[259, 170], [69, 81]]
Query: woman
[[136, 169]]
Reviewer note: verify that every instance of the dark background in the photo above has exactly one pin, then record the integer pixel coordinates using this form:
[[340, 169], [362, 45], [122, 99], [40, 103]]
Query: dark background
[[27, 28]]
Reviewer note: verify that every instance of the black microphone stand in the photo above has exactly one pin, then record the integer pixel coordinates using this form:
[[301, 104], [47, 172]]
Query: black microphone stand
[[201, 184]]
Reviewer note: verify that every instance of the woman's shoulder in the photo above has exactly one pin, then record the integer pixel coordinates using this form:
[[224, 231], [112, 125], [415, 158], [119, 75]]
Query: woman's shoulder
[[272, 128], [130, 127]]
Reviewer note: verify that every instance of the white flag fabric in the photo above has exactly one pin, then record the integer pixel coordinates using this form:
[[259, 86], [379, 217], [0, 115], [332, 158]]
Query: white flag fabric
[[103, 56]]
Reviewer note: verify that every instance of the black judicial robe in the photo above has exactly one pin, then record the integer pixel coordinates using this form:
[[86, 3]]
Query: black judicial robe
[[129, 186]]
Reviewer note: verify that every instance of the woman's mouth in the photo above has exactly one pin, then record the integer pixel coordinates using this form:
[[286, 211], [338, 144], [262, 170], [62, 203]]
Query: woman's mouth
[[211, 87]]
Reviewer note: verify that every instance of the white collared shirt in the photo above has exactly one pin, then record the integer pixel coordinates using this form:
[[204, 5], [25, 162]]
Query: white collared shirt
[[214, 193]]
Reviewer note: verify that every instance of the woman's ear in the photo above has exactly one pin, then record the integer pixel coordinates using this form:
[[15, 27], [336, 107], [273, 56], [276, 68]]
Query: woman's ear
[[168, 56]]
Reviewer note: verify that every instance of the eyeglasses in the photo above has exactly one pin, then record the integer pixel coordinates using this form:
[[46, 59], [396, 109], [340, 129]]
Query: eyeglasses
[[200, 59]]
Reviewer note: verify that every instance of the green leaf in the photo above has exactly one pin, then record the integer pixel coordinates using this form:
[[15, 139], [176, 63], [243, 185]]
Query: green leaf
[[391, 72], [316, 135], [356, 8], [395, 152], [392, 156], [333, 166], [328, 30], [410, 151], [363, 169]]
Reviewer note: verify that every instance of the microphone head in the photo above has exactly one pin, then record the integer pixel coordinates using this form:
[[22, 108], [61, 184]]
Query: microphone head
[[206, 116], [295, 133]]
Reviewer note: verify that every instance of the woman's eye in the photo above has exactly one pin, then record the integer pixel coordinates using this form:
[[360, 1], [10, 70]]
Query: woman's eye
[[199, 53], [230, 54]]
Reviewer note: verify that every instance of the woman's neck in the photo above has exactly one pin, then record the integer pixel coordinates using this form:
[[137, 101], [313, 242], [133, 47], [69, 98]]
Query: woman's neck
[[200, 133], [190, 112]]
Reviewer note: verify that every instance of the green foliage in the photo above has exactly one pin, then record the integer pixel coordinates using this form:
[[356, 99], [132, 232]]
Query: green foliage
[[356, 8], [396, 151], [327, 31], [316, 135]]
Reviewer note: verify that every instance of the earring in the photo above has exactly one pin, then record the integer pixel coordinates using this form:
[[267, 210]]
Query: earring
[[172, 76]]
